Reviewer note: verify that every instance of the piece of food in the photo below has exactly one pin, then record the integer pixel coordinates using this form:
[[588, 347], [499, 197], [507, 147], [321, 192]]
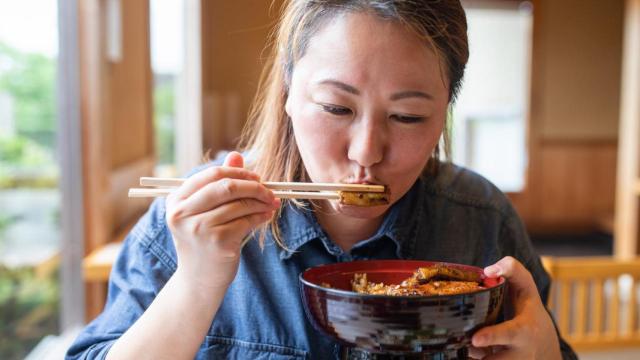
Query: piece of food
[[448, 287], [358, 198], [432, 280], [443, 272]]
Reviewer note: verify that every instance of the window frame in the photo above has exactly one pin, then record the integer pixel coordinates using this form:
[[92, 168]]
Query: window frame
[[69, 147]]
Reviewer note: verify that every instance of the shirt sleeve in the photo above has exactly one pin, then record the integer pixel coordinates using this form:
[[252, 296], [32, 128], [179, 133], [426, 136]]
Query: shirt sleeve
[[139, 273], [516, 242]]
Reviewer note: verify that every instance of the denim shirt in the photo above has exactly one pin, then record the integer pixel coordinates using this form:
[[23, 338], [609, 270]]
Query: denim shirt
[[456, 216]]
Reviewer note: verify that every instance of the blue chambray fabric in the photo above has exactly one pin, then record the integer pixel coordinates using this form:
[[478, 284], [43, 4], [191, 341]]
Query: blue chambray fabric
[[457, 216]]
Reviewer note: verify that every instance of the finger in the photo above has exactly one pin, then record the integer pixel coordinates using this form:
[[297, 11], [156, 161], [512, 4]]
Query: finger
[[236, 209], [520, 280], [209, 175], [505, 354], [234, 159], [507, 333], [237, 229], [221, 192], [478, 353]]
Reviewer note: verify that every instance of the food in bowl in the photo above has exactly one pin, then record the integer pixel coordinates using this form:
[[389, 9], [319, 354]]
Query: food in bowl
[[403, 325], [437, 279]]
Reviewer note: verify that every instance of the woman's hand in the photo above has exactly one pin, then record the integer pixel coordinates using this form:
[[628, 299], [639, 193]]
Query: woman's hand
[[530, 334], [210, 215]]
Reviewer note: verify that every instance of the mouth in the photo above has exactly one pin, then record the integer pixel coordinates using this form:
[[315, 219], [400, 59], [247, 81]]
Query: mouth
[[364, 182]]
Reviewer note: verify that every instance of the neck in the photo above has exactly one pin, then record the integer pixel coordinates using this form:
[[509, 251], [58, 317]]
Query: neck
[[347, 233]]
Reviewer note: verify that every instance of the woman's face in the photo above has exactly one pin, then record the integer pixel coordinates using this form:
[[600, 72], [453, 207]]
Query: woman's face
[[368, 103]]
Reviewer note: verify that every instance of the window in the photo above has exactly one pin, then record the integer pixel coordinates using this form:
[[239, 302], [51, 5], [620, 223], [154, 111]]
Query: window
[[175, 62], [167, 34], [489, 118], [29, 197]]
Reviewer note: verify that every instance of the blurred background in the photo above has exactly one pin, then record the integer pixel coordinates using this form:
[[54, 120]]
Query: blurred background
[[96, 93]]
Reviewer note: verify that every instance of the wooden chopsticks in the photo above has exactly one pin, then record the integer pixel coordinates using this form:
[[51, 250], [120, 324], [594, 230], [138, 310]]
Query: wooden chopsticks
[[283, 190]]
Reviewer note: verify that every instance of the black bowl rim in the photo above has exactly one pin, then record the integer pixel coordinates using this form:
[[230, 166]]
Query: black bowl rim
[[352, 294]]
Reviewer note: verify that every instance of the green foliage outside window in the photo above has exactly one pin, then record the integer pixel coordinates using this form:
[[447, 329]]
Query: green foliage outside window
[[30, 81], [27, 157], [29, 302], [164, 115], [29, 296], [25, 163]]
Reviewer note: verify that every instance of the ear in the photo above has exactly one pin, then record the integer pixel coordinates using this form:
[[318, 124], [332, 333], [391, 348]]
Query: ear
[[287, 106]]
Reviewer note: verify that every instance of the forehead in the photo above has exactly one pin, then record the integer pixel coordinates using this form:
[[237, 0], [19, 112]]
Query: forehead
[[362, 48]]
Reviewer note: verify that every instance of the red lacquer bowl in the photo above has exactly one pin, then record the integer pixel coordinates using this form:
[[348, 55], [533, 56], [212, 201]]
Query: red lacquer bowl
[[396, 324]]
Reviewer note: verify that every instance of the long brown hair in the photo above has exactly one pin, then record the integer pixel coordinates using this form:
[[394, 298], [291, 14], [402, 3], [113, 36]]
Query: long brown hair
[[268, 135]]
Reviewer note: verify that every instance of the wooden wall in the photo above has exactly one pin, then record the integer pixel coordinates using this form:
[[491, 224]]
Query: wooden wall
[[573, 127], [129, 87], [577, 68], [117, 125], [233, 42]]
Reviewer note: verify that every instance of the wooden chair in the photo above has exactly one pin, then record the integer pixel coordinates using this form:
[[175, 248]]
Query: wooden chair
[[595, 301]]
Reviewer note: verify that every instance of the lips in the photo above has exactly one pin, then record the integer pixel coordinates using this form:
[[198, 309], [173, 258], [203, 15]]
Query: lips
[[363, 182]]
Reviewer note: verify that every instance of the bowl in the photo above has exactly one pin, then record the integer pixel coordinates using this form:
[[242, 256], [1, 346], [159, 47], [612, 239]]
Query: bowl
[[396, 324]]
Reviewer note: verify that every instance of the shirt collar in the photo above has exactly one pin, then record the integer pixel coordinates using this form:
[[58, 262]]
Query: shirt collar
[[401, 224]]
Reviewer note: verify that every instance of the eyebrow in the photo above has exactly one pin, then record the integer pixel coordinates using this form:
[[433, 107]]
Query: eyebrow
[[340, 85], [397, 96], [410, 94]]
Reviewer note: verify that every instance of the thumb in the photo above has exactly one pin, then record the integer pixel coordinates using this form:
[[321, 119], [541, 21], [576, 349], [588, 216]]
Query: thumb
[[234, 159], [520, 279]]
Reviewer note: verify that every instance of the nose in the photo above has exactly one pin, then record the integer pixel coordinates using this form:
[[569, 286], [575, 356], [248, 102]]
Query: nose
[[368, 141]]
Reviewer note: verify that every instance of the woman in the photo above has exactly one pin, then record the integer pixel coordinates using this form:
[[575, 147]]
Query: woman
[[357, 92]]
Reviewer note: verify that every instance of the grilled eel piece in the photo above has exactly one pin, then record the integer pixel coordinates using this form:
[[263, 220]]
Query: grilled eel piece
[[432, 280], [358, 198], [443, 272]]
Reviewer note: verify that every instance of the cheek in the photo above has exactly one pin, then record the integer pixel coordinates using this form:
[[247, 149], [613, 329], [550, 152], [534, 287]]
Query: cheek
[[413, 149], [319, 143], [408, 158], [307, 127]]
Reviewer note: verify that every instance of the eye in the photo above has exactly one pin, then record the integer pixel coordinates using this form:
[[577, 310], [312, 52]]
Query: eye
[[407, 119], [336, 110]]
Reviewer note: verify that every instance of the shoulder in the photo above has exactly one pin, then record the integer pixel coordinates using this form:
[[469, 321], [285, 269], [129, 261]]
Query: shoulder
[[464, 194], [465, 208], [474, 222], [459, 186]]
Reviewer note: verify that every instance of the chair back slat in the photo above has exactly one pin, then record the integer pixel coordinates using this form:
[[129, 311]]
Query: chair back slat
[[613, 313], [563, 321], [581, 308], [595, 301], [598, 303], [631, 327]]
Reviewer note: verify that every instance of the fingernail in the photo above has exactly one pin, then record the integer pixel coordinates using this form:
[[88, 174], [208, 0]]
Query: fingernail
[[479, 340], [276, 203], [493, 270]]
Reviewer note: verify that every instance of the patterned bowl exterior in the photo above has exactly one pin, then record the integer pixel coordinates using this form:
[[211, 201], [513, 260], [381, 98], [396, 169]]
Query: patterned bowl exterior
[[396, 324]]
